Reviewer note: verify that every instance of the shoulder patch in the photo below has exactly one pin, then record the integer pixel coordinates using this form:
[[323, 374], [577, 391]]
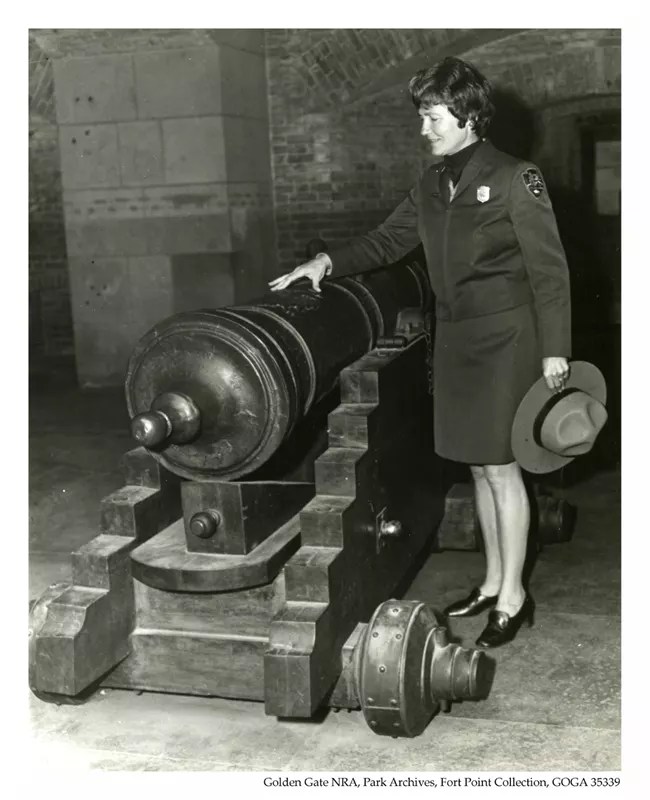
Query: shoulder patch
[[533, 181]]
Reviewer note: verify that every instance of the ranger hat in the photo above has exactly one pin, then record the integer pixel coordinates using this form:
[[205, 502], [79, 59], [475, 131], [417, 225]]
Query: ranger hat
[[550, 429]]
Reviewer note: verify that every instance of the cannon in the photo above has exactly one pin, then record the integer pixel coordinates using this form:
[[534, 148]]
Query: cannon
[[282, 493], [214, 393]]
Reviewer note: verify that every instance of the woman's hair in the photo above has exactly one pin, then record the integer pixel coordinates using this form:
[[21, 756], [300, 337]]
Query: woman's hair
[[458, 85]]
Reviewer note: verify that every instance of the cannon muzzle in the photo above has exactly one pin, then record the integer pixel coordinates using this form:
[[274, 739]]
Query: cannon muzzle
[[173, 419]]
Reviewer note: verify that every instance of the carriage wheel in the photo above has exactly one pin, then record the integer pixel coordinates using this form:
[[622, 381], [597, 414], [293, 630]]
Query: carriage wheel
[[406, 669]]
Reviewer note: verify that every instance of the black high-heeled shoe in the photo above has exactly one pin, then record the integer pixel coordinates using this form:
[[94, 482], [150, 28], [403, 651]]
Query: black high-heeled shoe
[[471, 605], [502, 628]]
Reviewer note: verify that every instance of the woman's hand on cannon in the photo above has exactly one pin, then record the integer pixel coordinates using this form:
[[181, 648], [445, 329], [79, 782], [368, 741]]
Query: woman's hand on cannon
[[315, 270], [556, 372]]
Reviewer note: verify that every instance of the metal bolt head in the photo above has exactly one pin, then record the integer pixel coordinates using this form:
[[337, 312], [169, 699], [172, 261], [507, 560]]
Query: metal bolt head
[[375, 635], [398, 636], [391, 528], [205, 524], [382, 668]]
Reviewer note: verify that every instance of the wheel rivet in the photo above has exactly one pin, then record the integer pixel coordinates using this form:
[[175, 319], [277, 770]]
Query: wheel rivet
[[375, 635], [394, 610], [371, 700], [398, 635], [393, 702], [395, 724], [373, 722], [382, 668]]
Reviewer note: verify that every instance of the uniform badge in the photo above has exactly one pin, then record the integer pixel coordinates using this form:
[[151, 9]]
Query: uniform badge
[[533, 182], [483, 194]]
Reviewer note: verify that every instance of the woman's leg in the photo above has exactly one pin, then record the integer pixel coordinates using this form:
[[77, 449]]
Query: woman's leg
[[513, 519], [486, 511]]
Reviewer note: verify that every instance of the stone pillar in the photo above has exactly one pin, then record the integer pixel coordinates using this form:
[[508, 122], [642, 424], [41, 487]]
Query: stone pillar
[[166, 187]]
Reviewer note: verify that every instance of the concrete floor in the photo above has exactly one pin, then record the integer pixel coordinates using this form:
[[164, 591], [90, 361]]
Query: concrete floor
[[554, 705]]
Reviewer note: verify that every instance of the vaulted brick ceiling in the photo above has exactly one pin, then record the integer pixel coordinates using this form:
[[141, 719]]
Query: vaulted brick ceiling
[[340, 64], [331, 67]]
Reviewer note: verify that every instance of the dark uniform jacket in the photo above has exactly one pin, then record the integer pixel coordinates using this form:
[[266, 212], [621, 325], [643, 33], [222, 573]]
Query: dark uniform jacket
[[493, 247]]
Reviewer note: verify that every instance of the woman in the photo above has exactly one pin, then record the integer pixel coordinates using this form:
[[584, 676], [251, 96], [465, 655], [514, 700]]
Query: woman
[[500, 278]]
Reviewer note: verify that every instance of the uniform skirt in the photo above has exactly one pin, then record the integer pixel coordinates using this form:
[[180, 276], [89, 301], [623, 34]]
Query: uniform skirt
[[482, 368]]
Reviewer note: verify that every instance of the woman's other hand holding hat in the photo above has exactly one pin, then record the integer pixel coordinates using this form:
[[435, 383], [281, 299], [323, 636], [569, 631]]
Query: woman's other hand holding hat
[[556, 372]]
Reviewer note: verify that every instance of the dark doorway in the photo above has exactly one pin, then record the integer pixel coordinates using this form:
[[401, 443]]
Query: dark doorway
[[597, 298], [600, 139]]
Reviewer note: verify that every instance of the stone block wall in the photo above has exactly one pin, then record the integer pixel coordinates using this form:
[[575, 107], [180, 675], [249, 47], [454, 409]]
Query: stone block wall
[[50, 320], [166, 184]]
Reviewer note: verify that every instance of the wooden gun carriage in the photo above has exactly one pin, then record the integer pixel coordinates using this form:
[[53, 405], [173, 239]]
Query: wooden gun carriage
[[283, 491]]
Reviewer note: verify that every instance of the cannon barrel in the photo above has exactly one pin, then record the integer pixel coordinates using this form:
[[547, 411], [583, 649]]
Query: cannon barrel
[[213, 393]]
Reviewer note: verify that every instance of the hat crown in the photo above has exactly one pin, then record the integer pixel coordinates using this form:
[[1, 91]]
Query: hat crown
[[570, 426], [550, 429]]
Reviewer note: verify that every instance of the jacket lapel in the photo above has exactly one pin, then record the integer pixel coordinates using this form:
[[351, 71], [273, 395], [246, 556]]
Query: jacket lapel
[[474, 166], [432, 180]]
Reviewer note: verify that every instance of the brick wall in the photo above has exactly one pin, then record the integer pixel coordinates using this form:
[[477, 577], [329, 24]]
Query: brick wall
[[345, 137], [49, 290], [336, 174]]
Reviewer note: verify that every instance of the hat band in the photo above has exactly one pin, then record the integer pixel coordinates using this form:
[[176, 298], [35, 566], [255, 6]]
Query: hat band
[[544, 411]]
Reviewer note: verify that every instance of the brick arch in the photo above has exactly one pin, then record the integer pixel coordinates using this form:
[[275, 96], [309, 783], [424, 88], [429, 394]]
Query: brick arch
[[542, 66], [560, 67], [560, 78], [323, 69], [577, 106], [435, 46]]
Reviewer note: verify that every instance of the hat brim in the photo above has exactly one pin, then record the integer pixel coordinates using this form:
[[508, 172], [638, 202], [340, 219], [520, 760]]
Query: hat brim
[[531, 456]]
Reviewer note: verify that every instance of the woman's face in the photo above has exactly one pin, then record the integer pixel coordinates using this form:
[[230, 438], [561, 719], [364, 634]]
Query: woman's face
[[440, 127]]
